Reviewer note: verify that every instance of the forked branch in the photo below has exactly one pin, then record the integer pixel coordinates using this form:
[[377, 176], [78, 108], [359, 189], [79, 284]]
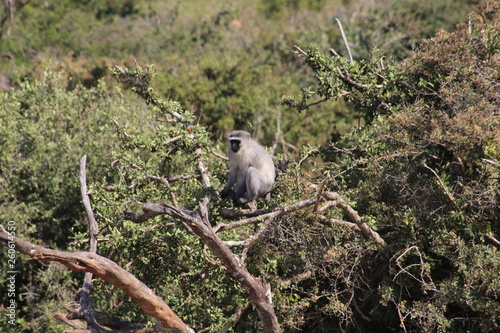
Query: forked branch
[[109, 271], [197, 222]]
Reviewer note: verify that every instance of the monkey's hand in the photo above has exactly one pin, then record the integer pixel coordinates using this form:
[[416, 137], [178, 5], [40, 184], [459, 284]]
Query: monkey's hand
[[227, 193]]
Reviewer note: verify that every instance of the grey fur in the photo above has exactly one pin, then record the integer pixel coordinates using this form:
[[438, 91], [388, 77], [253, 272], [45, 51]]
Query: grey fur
[[251, 168]]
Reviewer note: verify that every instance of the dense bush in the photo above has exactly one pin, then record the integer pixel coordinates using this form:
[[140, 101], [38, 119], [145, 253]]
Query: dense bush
[[413, 146], [46, 129], [425, 172]]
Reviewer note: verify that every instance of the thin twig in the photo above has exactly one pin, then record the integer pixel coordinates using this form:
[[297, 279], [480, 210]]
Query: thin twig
[[307, 156], [301, 51], [165, 182], [216, 154], [201, 167], [252, 239], [345, 40], [171, 140], [443, 186], [333, 52], [305, 107], [490, 162], [493, 240], [274, 214]]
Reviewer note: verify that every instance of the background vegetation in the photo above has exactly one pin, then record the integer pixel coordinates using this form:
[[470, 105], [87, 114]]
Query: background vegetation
[[411, 140]]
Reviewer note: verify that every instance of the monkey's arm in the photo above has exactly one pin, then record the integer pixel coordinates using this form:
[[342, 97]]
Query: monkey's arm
[[241, 189], [227, 191]]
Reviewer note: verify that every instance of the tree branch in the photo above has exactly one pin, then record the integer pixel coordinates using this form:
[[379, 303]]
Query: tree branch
[[333, 200], [197, 222], [109, 271], [345, 40], [277, 213], [86, 311]]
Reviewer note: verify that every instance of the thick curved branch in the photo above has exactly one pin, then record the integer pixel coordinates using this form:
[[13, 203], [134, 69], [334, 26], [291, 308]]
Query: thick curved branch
[[258, 290], [363, 227], [110, 272]]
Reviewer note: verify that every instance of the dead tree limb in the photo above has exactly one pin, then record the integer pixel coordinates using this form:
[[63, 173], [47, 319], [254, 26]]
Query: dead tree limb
[[259, 291], [332, 200], [277, 213], [86, 310], [109, 271], [197, 222]]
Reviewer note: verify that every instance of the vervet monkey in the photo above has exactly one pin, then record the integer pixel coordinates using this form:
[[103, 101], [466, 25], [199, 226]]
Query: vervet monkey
[[250, 167]]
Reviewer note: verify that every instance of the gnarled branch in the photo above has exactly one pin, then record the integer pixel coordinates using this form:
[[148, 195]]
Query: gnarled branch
[[196, 221], [107, 270]]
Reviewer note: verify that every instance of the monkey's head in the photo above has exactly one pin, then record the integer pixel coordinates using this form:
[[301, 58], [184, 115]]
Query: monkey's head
[[237, 138]]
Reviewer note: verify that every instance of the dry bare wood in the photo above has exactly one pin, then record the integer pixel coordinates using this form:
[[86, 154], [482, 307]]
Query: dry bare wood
[[198, 223], [109, 271]]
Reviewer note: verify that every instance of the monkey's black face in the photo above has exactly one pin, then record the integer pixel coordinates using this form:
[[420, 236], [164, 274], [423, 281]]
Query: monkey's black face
[[235, 145]]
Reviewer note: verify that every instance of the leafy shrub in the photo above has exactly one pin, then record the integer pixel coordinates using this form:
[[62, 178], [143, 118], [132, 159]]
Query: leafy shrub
[[46, 129]]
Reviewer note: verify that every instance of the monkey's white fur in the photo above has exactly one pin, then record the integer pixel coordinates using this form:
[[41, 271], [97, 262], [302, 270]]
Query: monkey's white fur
[[251, 168]]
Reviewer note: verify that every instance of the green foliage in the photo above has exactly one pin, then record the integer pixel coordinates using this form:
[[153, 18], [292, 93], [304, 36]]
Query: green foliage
[[426, 172], [275, 8], [396, 28], [46, 129], [413, 146], [161, 253]]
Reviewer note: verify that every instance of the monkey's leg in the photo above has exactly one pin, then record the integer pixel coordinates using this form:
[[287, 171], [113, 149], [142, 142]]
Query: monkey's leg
[[255, 182], [241, 189]]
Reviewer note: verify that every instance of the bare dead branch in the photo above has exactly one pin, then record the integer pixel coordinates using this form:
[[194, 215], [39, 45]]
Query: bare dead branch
[[364, 228], [172, 179], [132, 164], [201, 168], [306, 156], [330, 221], [75, 323], [333, 200], [197, 222], [234, 213], [93, 228], [252, 239], [277, 213], [109, 271], [333, 52], [298, 278], [443, 186], [172, 140], [484, 160], [165, 182], [86, 311], [216, 154], [301, 51], [345, 40], [120, 129], [493, 240]]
